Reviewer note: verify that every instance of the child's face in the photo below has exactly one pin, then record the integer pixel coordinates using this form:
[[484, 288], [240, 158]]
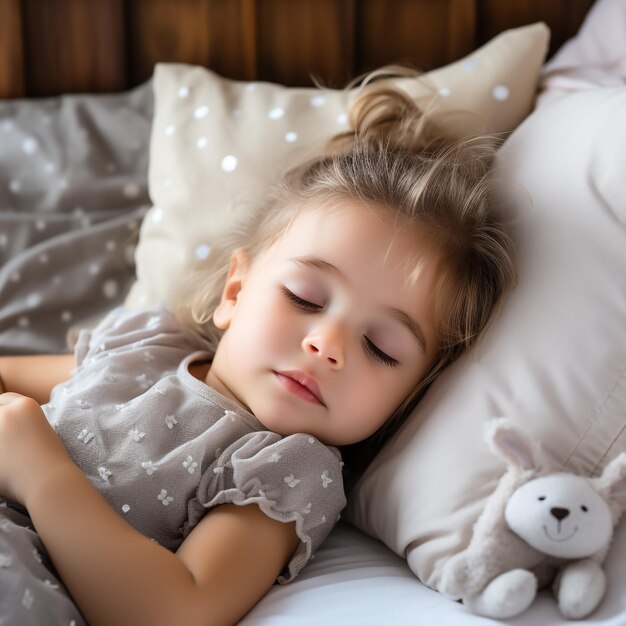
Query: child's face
[[337, 338]]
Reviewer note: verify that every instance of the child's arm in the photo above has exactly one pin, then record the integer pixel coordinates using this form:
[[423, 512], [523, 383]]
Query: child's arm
[[35, 376], [115, 574]]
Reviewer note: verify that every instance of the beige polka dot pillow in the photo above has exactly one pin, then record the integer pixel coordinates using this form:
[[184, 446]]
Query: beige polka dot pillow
[[217, 144]]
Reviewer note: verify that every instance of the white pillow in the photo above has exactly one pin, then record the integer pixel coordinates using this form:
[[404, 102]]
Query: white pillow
[[554, 360], [595, 57]]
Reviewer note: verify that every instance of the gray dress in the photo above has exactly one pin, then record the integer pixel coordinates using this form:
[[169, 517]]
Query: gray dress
[[163, 448]]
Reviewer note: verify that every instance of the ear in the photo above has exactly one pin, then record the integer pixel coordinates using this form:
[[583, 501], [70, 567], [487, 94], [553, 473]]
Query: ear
[[237, 272], [613, 479], [509, 443]]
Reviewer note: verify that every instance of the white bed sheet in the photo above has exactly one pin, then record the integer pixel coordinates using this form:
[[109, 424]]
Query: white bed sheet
[[357, 581]]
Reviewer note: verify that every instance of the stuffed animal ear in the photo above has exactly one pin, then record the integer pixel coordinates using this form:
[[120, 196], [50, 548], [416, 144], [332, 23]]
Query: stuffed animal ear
[[509, 443], [613, 479]]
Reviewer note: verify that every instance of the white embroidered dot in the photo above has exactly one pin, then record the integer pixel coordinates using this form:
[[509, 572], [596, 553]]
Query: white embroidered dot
[[170, 130], [311, 440], [444, 92], [275, 457], [165, 499], [148, 357], [33, 300], [231, 415], [170, 420], [323, 519], [143, 381], [500, 92], [66, 316], [276, 114], [218, 470], [183, 92], [110, 289], [111, 245], [157, 214], [190, 465], [131, 190], [85, 436], [202, 252], [291, 136], [37, 555], [125, 508], [136, 435], [27, 599], [104, 474], [15, 186], [307, 509], [5, 561], [318, 101], [229, 163], [201, 112], [342, 118], [49, 583], [94, 268], [291, 480], [202, 143], [30, 145], [251, 87], [50, 167], [326, 479], [40, 224], [150, 467]]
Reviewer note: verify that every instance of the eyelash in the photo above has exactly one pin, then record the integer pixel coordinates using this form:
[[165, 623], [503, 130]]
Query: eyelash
[[375, 352]]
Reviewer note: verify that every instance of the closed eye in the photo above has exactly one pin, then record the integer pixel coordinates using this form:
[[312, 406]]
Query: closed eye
[[378, 354], [300, 302], [370, 347]]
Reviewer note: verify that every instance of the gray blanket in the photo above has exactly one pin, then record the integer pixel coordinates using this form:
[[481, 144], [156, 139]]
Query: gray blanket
[[73, 190]]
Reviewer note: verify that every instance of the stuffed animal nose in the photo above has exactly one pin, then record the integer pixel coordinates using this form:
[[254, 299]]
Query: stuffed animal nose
[[559, 513]]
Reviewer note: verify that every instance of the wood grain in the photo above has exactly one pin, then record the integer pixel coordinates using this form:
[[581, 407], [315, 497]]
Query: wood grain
[[11, 50], [74, 45], [49, 47]]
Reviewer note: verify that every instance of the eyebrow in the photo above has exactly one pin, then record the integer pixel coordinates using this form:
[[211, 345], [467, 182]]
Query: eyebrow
[[398, 314]]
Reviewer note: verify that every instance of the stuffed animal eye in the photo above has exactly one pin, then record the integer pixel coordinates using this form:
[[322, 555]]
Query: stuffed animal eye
[[541, 498], [584, 508]]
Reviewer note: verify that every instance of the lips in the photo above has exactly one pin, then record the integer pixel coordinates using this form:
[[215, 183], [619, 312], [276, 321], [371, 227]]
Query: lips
[[304, 380]]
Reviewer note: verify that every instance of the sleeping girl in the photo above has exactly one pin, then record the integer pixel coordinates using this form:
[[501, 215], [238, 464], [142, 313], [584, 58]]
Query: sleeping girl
[[184, 459]]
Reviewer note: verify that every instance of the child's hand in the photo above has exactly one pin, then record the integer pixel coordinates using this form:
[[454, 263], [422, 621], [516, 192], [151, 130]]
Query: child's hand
[[29, 448]]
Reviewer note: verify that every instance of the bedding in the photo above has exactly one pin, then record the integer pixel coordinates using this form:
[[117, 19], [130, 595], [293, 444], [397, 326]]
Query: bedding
[[74, 190]]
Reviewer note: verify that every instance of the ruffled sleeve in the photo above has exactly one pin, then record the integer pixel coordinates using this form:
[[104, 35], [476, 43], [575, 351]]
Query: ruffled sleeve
[[295, 478], [123, 330]]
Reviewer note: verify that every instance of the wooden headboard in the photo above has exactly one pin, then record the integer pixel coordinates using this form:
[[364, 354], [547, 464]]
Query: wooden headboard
[[50, 47]]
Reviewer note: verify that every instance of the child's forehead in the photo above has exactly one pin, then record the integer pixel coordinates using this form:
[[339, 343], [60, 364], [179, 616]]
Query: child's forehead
[[356, 235]]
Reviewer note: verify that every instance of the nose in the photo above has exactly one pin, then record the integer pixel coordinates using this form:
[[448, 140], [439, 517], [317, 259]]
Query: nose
[[326, 344], [559, 513]]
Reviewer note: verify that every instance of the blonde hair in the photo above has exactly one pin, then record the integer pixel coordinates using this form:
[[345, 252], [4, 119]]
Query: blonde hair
[[393, 160]]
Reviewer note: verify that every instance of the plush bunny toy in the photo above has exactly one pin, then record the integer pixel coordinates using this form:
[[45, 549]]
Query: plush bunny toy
[[538, 527]]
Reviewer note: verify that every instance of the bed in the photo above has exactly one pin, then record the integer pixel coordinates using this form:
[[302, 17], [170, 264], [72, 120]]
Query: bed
[[87, 189]]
